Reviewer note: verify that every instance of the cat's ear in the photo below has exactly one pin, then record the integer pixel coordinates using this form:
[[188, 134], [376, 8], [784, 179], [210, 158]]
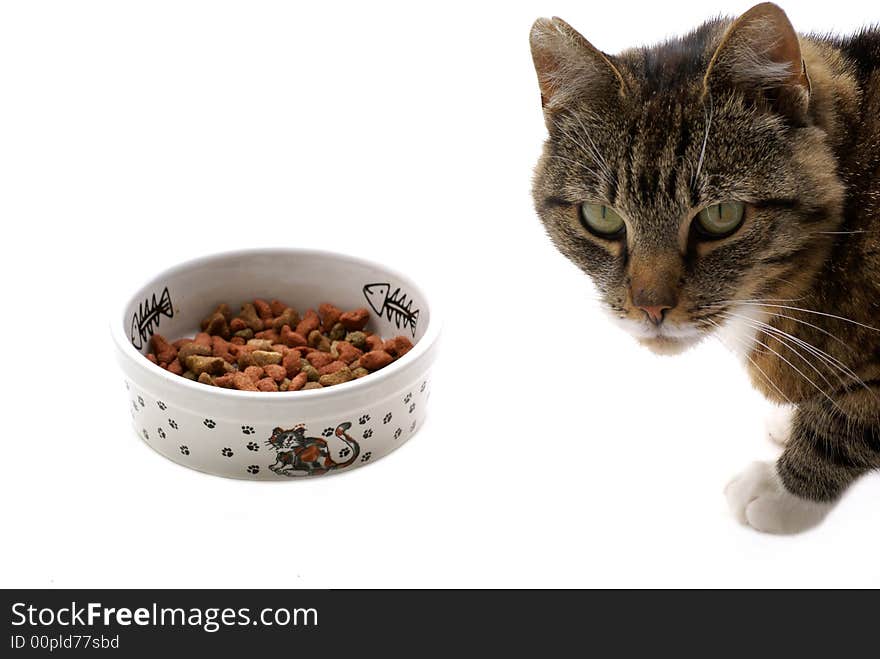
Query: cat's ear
[[569, 67], [760, 55]]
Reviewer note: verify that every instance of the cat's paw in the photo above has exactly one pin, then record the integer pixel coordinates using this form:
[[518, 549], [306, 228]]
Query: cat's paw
[[758, 499], [778, 424]]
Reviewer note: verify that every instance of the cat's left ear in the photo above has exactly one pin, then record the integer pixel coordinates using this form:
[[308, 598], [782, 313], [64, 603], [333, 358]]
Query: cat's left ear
[[760, 55], [570, 68]]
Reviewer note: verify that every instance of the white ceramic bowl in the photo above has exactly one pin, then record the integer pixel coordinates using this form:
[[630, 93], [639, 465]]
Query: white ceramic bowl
[[258, 435]]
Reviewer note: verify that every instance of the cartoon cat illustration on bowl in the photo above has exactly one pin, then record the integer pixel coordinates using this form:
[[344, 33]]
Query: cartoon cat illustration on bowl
[[297, 454]]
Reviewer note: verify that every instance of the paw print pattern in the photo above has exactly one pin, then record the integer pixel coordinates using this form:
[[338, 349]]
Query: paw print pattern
[[407, 398], [368, 433], [412, 408], [141, 400], [134, 406], [209, 423], [162, 406], [145, 434], [364, 419], [422, 388], [127, 388], [253, 469], [387, 418], [397, 433], [344, 452], [161, 433], [327, 432], [412, 426], [227, 452], [172, 423], [253, 446], [247, 430], [366, 456], [184, 450]]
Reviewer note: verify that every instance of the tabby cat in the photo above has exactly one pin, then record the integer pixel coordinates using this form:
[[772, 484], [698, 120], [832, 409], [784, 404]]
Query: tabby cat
[[727, 183]]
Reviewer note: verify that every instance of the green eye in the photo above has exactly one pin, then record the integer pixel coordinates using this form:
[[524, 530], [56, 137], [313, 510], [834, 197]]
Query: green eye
[[720, 220], [602, 220]]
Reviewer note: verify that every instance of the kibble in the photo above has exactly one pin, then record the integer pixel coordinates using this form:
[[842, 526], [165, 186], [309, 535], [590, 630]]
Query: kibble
[[189, 349], [310, 371], [376, 359], [210, 365], [319, 359], [355, 320], [267, 384], [344, 374], [276, 372], [270, 347], [298, 382]]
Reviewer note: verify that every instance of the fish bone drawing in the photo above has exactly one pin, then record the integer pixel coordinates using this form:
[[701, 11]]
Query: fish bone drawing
[[148, 315], [393, 305]]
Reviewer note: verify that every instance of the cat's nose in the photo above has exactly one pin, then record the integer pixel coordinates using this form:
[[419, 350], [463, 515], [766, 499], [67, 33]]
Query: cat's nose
[[655, 301], [655, 312], [654, 285]]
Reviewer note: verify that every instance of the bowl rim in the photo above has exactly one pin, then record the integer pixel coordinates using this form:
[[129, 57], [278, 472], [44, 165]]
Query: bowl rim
[[420, 348]]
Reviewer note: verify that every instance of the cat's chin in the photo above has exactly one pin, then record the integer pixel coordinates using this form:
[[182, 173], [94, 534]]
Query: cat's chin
[[666, 340], [665, 345]]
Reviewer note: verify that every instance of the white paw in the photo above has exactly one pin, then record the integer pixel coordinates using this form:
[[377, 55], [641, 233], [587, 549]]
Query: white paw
[[778, 423], [758, 499]]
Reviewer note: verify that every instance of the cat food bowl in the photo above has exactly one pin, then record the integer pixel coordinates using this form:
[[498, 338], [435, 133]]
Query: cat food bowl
[[278, 435]]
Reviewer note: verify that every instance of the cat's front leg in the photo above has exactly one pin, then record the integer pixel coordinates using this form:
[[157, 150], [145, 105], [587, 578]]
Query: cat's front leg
[[829, 446]]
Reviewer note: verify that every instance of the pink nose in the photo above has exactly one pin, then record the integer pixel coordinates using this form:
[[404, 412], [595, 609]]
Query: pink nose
[[655, 312]]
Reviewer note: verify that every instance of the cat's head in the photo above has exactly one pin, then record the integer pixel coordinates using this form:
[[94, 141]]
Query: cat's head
[[687, 176], [283, 439]]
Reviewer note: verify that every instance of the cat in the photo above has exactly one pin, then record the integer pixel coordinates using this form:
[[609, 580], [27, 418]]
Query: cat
[[297, 453], [727, 183]]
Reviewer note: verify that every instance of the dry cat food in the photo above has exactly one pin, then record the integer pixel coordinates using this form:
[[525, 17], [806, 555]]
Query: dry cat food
[[268, 346]]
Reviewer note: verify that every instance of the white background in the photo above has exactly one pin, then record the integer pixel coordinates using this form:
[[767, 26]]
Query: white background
[[556, 452]]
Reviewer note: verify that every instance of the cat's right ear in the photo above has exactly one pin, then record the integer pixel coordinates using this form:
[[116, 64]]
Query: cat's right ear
[[760, 55], [569, 67]]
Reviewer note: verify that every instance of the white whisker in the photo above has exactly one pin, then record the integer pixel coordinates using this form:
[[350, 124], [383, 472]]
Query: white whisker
[[783, 337], [752, 361], [591, 153], [796, 369], [709, 115], [595, 150], [826, 357], [818, 313]]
